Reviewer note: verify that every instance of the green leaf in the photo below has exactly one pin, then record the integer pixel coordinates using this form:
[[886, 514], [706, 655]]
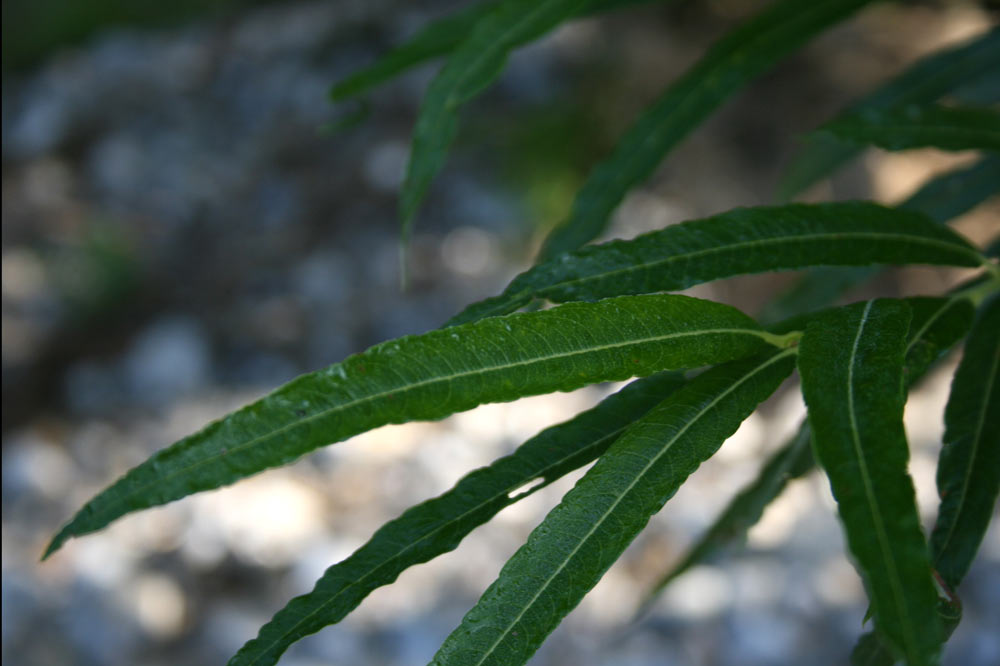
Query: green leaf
[[851, 363], [439, 38], [928, 126], [744, 240], [568, 553], [472, 66], [957, 192], [941, 199], [926, 81], [439, 525], [729, 65], [937, 324], [430, 376], [968, 476], [791, 461]]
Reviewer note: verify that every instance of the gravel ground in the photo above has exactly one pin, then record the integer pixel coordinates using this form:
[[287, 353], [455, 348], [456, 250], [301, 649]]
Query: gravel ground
[[179, 236]]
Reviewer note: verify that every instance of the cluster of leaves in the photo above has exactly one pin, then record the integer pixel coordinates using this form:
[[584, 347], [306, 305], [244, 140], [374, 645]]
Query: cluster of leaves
[[614, 321]]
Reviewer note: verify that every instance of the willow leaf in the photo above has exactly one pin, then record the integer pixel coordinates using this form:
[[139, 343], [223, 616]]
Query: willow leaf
[[926, 126], [729, 65], [791, 461], [744, 240], [439, 38], [473, 65], [439, 525], [926, 81], [430, 376], [851, 363], [576, 543], [936, 326], [941, 199], [968, 476]]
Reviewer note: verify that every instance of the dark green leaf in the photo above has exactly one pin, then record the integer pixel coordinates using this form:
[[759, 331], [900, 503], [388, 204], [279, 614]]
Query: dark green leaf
[[472, 66], [937, 324], [851, 363], [439, 525], [576, 543], [924, 82], [439, 38], [744, 240], [791, 461], [729, 65], [968, 476], [430, 376], [941, 199], [928, 126]]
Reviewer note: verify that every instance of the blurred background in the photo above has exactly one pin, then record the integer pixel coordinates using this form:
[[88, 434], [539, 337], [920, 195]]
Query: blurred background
[[189, 222]]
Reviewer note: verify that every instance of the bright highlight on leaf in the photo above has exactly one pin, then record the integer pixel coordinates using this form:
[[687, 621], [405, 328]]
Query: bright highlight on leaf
[[851, 363], [438, 525], [729, 65], [740, 241], [576, 543], [430, 376]]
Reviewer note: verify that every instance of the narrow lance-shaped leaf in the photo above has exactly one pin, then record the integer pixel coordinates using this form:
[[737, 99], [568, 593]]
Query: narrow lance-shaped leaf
[[937, 324], [744, 240], [791, 461], [472, 66], [851, 363], [568, 553], [926, 126], [439, 525], [968, 475], [430, 376], [941, 199], [436, 39], [926, 81], [729, 65], [439, 38]]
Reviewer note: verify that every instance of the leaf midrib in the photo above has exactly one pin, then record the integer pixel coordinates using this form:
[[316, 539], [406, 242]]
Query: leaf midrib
[[756, 243], [666, 447], [883, 539], [409, 387], [704, 81], [980, 423], [540, 474]]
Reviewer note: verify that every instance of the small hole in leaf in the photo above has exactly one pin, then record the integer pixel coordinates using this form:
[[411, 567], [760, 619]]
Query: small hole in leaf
[[526, 489]]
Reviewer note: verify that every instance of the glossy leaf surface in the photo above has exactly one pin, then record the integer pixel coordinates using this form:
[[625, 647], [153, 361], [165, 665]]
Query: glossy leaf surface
[[568, 553], [430, 376], [851, 363], [729, 65], [439, 525], [744, 240]]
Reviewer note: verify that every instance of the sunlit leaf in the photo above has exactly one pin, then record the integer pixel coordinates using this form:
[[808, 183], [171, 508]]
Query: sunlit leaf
[[568, 553], [744, 240], [430, 376]]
